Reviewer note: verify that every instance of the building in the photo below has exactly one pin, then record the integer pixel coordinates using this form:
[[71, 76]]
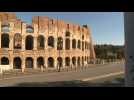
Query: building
[[49, 42]]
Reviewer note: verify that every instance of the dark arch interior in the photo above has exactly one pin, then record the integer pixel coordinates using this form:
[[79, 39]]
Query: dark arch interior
[[51, 41], [5, 41], [73, 43], [17, 63], [74, 60], [78, 61], [4, 61], [29, 62], [60, 61], [79, 44], [67, 61], [60, 43], [50, 62], [29, 43], [67, 44], [40, 42], [40, 62]]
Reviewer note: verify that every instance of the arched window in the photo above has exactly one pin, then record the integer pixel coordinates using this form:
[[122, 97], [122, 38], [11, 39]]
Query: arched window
[[17, 63], [67, 34], [17, 41], [40, 42], [60, 62], [5, 41], [74, 44], [29, 62], [67, 44], [82, 45], [29, 42], [51, 41], [50, 62], [78, 61], [40, 62], [79, 44], [67, 61], [82, 37], [60, 43], [74, 61], [4, 61]]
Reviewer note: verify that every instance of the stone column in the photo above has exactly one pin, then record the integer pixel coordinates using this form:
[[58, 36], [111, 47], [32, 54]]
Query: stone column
[[35, 63], [11, 59], [35, 43], [11, 42], [129, 48], [23, 64], [23, 43]]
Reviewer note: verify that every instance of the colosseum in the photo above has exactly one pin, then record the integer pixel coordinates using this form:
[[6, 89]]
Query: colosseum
[[45, 42]]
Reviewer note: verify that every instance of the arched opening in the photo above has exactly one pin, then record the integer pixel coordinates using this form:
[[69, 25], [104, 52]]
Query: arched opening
[[82, 37], [67, 34], [67, 44], [29, 42], [67, 61], [4, 61], [82, 61], [82, 45], [78, 61], [40, 62], [51, 41], [29, 62], [60, 43], [5, 41], [50, 62], [73, 43], [40, 42], [74, 61], [17, 41], [17, 63], [59, 61], [79, 44]]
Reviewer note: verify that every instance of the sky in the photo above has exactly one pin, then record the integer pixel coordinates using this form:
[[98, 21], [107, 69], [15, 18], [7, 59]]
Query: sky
[[106, 27]]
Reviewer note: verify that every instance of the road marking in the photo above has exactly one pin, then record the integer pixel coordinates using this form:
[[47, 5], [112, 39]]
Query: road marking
[[102, 76]]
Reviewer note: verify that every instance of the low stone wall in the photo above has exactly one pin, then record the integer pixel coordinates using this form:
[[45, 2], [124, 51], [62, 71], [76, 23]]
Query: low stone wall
[[5, 68]]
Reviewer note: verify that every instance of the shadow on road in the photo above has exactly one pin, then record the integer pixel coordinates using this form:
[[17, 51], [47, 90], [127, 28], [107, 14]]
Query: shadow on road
[[118, 82]]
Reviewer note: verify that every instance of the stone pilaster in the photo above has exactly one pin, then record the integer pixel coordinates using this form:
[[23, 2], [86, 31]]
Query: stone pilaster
[[35, 43], [35, 63]]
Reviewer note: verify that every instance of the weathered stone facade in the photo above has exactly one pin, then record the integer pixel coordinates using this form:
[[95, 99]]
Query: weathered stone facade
[[49, 42]]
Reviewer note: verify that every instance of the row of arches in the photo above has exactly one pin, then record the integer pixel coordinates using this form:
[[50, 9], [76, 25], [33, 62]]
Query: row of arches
[[29, 62], [29, 42]]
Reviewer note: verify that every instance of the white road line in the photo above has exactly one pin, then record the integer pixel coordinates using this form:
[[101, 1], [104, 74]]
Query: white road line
[[103, 76]]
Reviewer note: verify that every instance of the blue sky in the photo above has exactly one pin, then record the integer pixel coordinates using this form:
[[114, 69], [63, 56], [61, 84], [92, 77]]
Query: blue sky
[[106, 27]]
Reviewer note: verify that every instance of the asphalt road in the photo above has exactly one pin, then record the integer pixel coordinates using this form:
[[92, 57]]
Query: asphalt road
[[93, 74]]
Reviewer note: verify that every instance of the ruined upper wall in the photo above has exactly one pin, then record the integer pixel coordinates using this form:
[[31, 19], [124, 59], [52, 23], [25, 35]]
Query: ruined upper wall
[[45, 22], [7, 16]]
